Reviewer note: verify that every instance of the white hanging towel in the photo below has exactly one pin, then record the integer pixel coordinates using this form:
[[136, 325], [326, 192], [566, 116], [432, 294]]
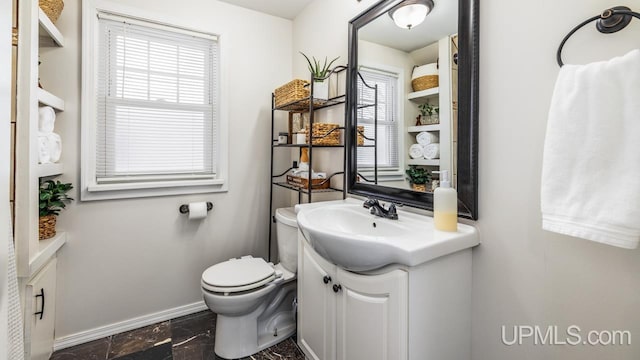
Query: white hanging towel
[[15, 348], [591, 163]]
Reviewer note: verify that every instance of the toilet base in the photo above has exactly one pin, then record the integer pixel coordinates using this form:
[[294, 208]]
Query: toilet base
[[269, 324]]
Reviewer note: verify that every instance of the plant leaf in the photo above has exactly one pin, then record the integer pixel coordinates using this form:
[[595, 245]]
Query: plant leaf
[[317, 70], [308, 62], [331, 63]]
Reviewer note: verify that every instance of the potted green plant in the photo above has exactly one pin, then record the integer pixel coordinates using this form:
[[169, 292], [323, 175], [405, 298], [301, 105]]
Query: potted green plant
[[320, 87], [53, 198], [430, 114], [418, 177]]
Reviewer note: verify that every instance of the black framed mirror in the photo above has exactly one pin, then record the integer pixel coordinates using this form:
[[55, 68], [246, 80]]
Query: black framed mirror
[[403, 64]]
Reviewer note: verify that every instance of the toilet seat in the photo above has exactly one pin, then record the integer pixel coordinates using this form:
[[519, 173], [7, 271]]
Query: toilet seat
[[236, 275]]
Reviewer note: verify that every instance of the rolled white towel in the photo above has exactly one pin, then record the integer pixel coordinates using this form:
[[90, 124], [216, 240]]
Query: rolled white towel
[[426, 138], [46, 119], [416, 151], [431, 151], [43, 149], [55, 147]]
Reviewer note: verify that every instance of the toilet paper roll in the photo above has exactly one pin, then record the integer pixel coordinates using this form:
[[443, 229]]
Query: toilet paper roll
[[197, 210]]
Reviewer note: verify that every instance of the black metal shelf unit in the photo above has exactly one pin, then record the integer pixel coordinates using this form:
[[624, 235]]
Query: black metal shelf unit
[[374, 104], [306, 105]]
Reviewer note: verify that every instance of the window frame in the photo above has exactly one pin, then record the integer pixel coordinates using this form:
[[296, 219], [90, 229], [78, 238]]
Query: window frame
[[90, 189], [389, 174]]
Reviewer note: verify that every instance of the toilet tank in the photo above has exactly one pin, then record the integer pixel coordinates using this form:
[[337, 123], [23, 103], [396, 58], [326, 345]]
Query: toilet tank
[[287, 237]]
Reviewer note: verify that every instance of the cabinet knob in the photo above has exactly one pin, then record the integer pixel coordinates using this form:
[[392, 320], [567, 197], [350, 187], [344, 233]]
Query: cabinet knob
[[336, 288], [326, 279]]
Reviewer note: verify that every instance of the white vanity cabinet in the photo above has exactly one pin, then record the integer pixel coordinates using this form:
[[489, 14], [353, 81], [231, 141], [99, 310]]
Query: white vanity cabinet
[[348, 316], [398, 312]]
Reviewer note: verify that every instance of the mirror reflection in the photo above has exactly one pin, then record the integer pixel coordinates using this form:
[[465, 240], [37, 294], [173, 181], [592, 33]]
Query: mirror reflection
[[407, 96]]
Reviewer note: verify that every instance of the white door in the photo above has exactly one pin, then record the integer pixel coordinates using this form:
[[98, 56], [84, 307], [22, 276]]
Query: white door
[[372, 316], [40, 308], [316, 299]]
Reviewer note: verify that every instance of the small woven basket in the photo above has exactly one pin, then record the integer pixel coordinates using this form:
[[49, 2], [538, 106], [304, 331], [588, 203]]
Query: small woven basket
[[53, 8], [429, 120], [360, 135], [46, 227], [292, 91], [419, 187], [425, 82], [303, 182], [322, 134]]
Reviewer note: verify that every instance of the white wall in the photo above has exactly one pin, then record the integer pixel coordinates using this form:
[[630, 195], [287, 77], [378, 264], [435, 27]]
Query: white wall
[[522, 275], [129, 258], [321, 30]]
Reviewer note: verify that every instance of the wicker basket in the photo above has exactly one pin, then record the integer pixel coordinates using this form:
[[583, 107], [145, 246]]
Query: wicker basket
[[360, 135], [53, 8], [46, 227], [323, 135], [290, 92], [419, 187], [303, 182], [425, 82]]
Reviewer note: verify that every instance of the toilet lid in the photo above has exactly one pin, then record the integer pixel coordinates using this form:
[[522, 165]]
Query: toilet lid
[[238, 273]]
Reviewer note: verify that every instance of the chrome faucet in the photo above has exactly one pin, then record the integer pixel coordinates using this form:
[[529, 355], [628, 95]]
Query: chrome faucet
[[378, 209]]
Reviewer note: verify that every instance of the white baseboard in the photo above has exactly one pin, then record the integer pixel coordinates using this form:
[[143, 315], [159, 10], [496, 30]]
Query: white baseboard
[[127, 325]]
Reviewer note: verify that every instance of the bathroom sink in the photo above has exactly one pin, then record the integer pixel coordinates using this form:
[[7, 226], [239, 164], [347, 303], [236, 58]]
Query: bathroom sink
[[346, 234]]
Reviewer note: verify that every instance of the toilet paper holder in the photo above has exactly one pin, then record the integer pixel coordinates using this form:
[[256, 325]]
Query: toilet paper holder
[[184, 208]]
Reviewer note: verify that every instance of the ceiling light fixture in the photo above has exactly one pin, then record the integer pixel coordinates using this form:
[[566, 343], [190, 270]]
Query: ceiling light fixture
[[411, 13]]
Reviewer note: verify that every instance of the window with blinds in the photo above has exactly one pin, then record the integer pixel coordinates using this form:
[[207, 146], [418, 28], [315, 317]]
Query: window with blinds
[[157, 111], [387, 112]]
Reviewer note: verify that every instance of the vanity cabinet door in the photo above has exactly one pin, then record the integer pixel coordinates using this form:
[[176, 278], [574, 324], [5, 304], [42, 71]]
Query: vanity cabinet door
[[40, 309], [316, 299], [372, 316]]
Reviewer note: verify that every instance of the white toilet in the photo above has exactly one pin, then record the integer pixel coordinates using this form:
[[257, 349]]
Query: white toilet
[[254, 300]]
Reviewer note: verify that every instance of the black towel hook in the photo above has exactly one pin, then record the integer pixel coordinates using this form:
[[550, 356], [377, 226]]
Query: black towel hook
[[610, 21]]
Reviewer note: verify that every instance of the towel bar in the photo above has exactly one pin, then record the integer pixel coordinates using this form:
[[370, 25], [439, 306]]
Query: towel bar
[[608, 22]]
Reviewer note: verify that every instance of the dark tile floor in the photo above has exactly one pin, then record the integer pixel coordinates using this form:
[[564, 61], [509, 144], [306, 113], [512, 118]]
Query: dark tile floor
[[187, 338]]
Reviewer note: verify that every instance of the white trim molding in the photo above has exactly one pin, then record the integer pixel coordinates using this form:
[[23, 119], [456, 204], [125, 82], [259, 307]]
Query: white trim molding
[[127, 325]]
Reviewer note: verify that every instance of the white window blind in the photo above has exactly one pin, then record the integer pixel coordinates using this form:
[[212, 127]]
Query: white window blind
[[157, 113], [387, 137]]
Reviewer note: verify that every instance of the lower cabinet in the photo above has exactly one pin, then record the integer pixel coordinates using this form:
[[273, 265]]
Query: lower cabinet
[[348, 316], [40, 306]]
